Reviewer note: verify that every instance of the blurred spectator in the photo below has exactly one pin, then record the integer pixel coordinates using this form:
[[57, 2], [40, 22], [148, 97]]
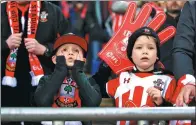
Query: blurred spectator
[[56, 2], [75, 12], [26, 46], [161, 4], [99, 23], [184, 54], [173, 9], [184, 57]]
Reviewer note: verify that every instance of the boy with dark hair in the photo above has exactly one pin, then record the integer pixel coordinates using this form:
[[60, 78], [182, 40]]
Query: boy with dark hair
[[146, 85], [68, 86]]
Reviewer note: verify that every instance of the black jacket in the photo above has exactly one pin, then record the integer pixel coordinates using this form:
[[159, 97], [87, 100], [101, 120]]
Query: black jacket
[[184, 48], [48, 87], [45, 35], [166, 48]]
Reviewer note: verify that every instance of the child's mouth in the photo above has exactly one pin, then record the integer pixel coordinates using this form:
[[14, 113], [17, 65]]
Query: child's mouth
[[70, 59], [144, 58]]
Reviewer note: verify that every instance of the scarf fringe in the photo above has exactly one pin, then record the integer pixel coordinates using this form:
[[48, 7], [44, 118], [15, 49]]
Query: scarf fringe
[[35, 80], [9, 81]]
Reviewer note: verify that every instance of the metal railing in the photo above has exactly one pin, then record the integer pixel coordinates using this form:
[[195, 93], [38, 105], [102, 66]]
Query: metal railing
[[97, 114]]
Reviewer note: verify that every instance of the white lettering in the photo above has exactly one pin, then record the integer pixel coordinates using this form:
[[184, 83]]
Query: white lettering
[[112, 57], [125, 41], [127, 33], [29, 26], [36, 68]]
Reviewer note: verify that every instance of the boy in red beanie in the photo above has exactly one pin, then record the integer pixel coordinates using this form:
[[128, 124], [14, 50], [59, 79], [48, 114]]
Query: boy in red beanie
[[146, 85], [68, 86]]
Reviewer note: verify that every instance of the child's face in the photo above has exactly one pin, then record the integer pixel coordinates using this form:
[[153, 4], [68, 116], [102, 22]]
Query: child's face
[[144, 53], [71, 52]]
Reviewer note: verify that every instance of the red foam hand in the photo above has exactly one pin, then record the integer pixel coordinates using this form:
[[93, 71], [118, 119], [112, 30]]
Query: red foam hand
[[114, 52], [157, 21]]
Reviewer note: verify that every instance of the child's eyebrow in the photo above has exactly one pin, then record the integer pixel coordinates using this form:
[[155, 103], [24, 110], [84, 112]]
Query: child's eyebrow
[[144, 44], [138, 44], [75, 48]]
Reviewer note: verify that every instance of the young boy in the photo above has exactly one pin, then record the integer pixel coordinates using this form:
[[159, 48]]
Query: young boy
[[145, 85], [68, 86]]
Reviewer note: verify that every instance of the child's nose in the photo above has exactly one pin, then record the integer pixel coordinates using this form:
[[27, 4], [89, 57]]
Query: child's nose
[[145, 51], [70, 52]]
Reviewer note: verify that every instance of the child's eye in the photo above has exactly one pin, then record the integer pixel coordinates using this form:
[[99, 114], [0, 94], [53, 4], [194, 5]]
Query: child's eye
[[138, 47], [63, 50], [150, 48], [75, 50]]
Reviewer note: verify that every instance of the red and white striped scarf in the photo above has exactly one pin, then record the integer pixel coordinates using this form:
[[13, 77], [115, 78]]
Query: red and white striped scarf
[[33, 19]]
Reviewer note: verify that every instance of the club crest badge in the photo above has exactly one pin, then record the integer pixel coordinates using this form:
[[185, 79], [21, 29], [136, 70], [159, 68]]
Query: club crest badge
[[43, 16], [147, 31], [159, 84]]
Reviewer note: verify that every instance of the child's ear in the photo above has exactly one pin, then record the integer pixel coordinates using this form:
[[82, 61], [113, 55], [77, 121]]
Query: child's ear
[[157, 58], [54, 59]]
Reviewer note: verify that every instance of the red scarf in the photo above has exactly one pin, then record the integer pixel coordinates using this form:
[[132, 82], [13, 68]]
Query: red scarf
[[33, 19]]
